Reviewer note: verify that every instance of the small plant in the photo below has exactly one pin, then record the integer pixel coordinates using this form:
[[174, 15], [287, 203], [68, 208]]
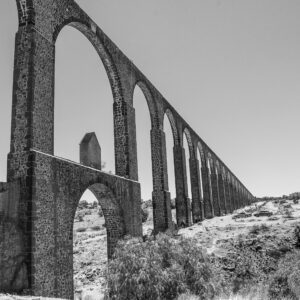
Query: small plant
[[173, 203], [256, 229], [81, 229], [83, 204], [96, 227], [145, 215], [100, 212], [80, 216]]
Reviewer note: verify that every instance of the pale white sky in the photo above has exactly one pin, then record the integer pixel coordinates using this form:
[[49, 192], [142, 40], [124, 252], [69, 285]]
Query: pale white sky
[[230, 67]]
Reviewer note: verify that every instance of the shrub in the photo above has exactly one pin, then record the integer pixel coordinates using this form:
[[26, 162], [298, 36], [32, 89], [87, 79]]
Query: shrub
[[80, 216], [286, 280], [160, 268], [145, 214], [95, 204], [81, 229], [96, 227], [100, 212], [173, 203], [297, 236], [256, 229], [83, 204]]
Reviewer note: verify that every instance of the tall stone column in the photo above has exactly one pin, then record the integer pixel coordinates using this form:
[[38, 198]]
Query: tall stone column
[[207, 196], [232, 198], [32, 126], [162, 216], [32, 123], [215, 192], [197, 201], [228, 195], [222, 195], [125, 140], [235, 199], [183, 213]]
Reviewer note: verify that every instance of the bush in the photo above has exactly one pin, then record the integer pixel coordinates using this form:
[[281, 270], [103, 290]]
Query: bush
[[96, 227], [81, 229], [83, 204], [145, 214], [297, 236], [160, 268], [80, 215], [100, 212], [173, 203], [256, 229], [286, 280], [95, 204]]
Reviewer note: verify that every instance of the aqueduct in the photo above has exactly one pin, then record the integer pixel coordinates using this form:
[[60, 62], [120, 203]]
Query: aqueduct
[[39, 199]]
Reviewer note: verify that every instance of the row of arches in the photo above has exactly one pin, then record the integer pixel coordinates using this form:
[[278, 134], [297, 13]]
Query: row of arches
[[198, 181]]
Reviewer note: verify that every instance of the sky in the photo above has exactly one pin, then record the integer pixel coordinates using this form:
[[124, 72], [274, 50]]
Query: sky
[[231, 68]]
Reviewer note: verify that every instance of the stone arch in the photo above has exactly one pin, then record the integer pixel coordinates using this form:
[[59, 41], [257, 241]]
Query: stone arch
[[170, 116], [91, 32], [202, 153], [150, 102], [190, 141], [112, 214]]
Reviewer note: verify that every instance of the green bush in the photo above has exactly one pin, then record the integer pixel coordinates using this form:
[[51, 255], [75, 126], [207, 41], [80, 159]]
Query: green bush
[[286, 280], [160, 268]]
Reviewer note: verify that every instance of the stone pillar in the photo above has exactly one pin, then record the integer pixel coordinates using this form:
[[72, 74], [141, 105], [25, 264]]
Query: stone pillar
[[222, 194], [183, 214], [207, 197], [33, 99], [235, 199], [162, 216], [125, 140], [215, 192], [32, 126], [197, 203], [232, 199], [229, 208]]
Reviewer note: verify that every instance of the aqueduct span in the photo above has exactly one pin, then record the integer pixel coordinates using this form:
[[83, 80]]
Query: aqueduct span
[[40, 197]]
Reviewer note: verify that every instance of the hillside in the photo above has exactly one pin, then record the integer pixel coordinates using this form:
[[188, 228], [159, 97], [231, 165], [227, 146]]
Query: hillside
[[267, 225]]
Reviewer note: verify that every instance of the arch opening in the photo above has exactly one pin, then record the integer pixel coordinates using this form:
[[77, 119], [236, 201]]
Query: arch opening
[[144, 156], [97, 227], [170, 142], [187, 150], [83, 89]]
